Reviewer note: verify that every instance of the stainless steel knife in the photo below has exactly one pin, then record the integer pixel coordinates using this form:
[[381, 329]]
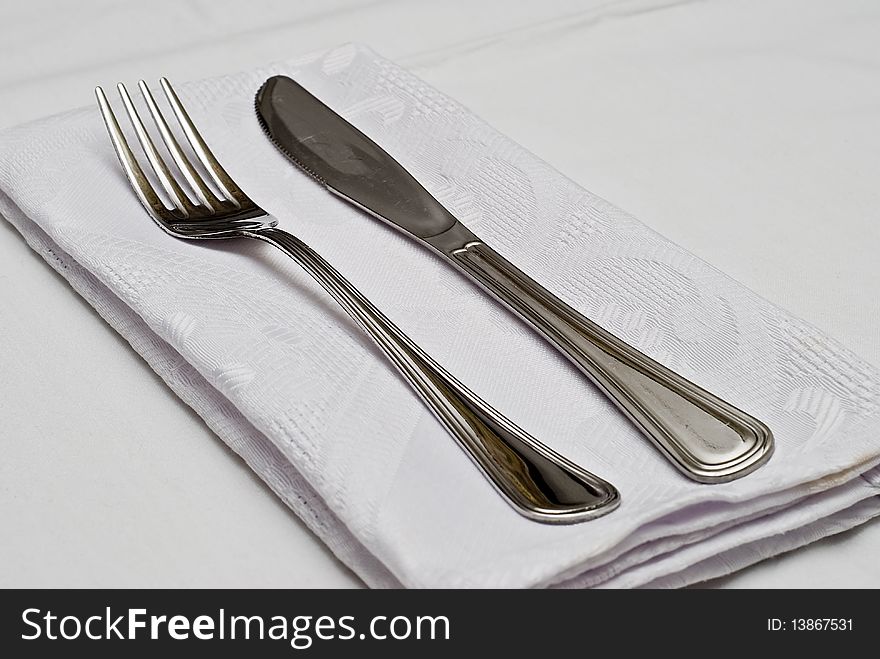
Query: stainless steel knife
[[706, 438]]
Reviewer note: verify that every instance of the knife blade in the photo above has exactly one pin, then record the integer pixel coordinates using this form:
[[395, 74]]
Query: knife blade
[[706, 438]]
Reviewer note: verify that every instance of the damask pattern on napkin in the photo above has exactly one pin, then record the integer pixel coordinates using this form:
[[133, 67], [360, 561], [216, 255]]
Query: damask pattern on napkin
[[258, 339]]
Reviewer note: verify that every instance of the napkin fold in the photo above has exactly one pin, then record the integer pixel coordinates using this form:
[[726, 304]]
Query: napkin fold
[[279, 372]]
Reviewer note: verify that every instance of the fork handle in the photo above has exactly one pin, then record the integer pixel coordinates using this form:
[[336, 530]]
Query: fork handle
[[706, 438], [537, 481]]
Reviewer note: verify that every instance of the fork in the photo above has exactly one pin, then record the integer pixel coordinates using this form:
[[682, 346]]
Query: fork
[[537, 481]]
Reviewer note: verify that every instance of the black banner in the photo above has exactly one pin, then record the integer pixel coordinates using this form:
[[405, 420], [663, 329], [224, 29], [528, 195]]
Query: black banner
[[289, 623]]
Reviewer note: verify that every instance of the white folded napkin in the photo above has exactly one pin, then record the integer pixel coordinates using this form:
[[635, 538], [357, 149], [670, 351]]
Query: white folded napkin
[[281, 374]]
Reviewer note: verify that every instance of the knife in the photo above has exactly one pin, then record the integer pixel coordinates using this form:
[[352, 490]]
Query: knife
[[706, 438]]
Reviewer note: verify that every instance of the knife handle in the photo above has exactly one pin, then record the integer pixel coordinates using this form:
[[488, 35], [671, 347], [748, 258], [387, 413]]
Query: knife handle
[[706, 438], [537, 481]]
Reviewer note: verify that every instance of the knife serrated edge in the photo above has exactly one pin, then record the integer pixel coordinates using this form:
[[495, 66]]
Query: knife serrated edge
[[296, 161]]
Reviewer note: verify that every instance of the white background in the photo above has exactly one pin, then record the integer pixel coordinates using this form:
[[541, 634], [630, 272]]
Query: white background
[[746, 130]]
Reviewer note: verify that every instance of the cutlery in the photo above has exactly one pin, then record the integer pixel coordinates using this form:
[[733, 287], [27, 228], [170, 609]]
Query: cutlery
[[705, 437], [538, 482]]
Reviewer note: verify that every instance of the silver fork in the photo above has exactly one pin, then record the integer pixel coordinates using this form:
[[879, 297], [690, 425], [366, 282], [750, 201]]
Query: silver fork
[[537, 481]]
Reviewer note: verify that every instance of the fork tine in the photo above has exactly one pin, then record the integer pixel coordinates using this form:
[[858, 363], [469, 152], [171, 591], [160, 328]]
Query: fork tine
[[141, 184], [203, 192], [221, 178], [178, 197]]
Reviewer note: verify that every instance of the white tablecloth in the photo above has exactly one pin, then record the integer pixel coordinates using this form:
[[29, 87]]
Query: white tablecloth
[[746, 131]]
